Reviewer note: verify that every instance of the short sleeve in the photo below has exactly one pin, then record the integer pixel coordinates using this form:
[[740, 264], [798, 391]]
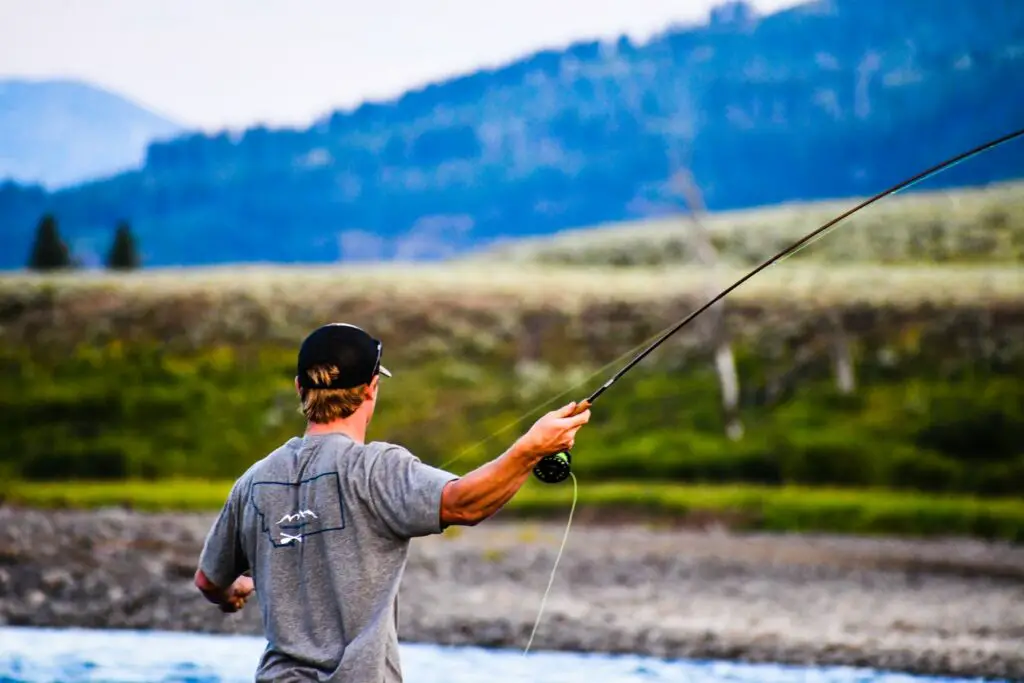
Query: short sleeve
[[406, 493], [223, 559]]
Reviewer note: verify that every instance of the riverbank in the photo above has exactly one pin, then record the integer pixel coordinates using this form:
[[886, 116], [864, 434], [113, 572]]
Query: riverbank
[[951, 607], [742, 507]]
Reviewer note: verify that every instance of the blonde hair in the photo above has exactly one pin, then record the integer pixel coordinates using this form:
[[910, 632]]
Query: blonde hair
[[325, 405]]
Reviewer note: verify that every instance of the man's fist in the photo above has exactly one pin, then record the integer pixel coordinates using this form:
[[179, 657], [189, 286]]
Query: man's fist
[[556, 431], [237, 594]]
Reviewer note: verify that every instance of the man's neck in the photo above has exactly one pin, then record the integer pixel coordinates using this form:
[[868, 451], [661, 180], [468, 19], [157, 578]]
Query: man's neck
[[355, 431]]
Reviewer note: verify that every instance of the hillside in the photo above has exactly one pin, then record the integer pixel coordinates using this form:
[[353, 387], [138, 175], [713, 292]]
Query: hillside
[[830, 99], [963, 225], [57, 132]]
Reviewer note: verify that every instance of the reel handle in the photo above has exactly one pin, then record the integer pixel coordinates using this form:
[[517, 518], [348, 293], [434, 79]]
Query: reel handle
[[556, 467]]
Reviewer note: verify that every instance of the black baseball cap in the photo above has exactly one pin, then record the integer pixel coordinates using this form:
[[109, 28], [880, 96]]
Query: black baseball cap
[[355, 353]]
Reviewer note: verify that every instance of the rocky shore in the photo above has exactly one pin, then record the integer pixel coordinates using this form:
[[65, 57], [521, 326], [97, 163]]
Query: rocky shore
[[949, 607]]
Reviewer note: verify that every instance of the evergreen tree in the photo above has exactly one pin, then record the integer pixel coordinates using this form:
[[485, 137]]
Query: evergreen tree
[[49, 252], [123, 254]]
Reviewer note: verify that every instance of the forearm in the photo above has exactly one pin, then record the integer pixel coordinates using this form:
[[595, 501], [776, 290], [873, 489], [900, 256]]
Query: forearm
[[213, 593], [482, 492]]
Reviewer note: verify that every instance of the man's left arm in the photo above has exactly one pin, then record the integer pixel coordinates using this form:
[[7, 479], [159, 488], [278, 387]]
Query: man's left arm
[[222, 560]]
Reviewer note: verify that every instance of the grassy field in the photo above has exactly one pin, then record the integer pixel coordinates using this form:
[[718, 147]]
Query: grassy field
[[740, 507], [576, 314], [968, 225]]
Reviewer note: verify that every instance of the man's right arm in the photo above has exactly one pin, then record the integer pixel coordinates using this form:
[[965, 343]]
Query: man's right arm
[[479, 494]]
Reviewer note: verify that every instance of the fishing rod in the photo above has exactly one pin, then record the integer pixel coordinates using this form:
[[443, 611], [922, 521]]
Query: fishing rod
[[556, 467]]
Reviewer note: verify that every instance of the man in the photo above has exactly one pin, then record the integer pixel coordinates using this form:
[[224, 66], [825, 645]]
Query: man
[[323, 523]]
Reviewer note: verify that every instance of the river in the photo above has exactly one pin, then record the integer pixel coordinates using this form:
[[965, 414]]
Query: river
[[36, 655]]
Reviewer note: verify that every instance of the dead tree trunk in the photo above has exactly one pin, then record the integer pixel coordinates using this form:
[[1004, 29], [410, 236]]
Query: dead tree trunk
[[842, 359], [703, 248], [677, 117]]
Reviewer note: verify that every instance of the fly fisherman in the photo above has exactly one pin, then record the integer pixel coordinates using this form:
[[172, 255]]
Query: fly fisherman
[[323, 522]]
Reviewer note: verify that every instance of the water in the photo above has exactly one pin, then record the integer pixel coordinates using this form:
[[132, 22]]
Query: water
[[72, 655]]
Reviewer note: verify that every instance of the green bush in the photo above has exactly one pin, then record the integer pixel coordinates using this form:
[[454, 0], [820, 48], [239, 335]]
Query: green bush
[[831, 457], [997, 479], [686, 456], [909, 468], [974, 421]]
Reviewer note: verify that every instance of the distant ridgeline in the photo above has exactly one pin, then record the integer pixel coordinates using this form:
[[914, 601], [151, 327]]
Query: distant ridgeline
[[836, 98]]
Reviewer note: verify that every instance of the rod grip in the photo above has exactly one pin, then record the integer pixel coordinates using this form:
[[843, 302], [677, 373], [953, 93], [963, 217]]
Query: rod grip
[[581, 407]]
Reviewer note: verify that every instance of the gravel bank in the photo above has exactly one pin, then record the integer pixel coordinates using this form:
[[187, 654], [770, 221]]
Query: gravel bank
[[937, 607]]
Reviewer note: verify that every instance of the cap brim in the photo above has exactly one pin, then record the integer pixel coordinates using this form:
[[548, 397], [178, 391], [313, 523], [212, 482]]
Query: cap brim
[[384, 371]]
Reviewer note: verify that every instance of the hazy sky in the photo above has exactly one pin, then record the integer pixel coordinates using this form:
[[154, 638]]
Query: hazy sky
[[231, 63]]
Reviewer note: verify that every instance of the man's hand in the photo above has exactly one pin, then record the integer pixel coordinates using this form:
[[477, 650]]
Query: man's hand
[[230, 599], [556, 431], [237, 594]]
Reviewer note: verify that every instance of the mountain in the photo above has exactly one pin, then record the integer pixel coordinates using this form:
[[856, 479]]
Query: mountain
[[829, 99], [59, 132]]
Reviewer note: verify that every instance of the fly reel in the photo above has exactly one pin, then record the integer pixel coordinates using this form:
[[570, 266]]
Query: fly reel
[[553, 468]]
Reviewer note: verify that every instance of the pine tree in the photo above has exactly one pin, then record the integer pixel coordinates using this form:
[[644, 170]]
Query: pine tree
[[49, 252], [123, 254]]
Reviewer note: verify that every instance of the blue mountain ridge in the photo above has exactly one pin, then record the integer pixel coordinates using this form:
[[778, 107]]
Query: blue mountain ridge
[[59, 132], [836, 98]]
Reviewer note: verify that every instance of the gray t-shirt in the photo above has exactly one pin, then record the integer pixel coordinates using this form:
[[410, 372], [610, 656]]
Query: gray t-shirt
[[324, 523]]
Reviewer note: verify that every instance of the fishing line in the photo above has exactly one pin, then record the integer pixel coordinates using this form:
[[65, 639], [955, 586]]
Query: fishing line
[[558, 557]]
